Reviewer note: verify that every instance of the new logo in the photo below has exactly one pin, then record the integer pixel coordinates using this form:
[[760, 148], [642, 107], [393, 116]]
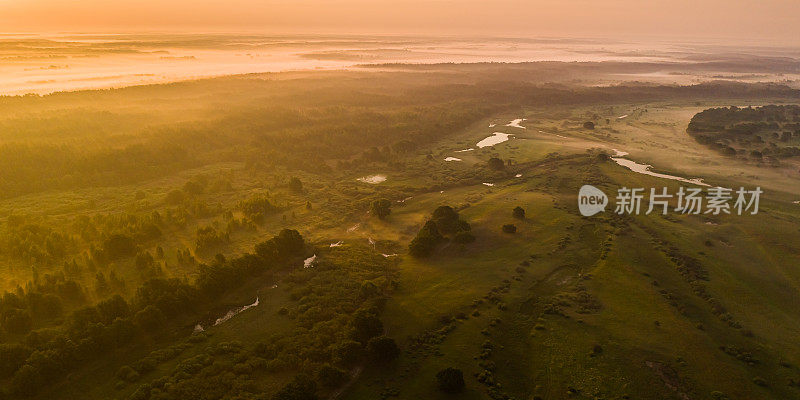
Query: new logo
[[591, 200]]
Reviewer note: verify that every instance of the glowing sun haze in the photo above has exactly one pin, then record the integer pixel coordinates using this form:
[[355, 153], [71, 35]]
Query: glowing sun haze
[[762, 21]]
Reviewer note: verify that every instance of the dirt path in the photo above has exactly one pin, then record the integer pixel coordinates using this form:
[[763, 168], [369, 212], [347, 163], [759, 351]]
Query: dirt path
[[354, 374]]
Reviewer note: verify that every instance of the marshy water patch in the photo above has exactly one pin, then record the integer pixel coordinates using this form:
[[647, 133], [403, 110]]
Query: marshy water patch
[[465, 150], [515, 123], [233, 313], [488, 184], [309, 262], [619, 153], [372, 179], [645, 169], [337, 244], [452, 159], [496, 138]]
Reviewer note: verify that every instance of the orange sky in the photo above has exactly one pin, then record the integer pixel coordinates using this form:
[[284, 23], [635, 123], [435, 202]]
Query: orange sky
[[764, 21]]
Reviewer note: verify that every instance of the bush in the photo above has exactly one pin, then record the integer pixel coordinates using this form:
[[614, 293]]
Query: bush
[[426, 240], [12, 357], [729, 151], [381, 208], [16, 321], [127, 374], [119, 246], [347, 353], [330, 376], [450, 380], [145, 365], [256, 207], [149, 318], [366, 326], [288, 243], [464, 237], [717, 395], [193, 187], [207, 238], [369, 290], [301, 388], [112, 308], [174, 197], [45, 306], [496, 164], [510, 228], [295, 185], [382, 349], [588, 125], [446, 219], [518, 213]]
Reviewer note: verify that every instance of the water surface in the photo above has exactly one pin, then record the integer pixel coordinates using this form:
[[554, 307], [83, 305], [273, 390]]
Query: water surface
[[372, 179], [497, 137], [645, 169]]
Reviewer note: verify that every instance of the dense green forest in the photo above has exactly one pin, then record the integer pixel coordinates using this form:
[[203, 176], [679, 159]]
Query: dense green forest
[[770, 132]]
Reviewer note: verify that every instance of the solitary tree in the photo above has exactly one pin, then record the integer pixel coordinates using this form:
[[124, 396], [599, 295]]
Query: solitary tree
[[518, 213], [588, 125]]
